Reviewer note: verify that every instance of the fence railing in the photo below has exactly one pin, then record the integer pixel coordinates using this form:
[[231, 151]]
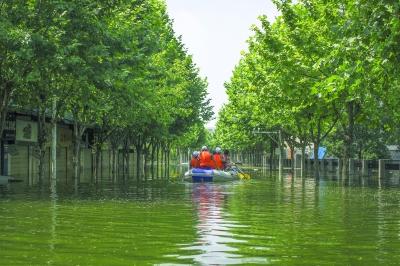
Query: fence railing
[[364, 167]]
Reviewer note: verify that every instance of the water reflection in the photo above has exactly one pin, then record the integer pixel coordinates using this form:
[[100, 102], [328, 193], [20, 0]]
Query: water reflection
[[53, 214], [216, 243], [289, 221]]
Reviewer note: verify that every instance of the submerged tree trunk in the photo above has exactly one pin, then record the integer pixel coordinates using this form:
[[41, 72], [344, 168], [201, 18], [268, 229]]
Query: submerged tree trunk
[[42, 139], [153, 150], [97, 165], [113, 162], [158, 160], [115, 141], [3, 115], [76, 156], [138, 155], [138, 147], [303, 156], [125, 158], [168, 160], [76, 159], [146, 149], [163, 160], [162, 163], [292, 155], [348, 138], [360, 152], [127, 162], [316, 160], [271, 155]]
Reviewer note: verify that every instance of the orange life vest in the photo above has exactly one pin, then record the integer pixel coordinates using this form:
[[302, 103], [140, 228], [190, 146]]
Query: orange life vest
[[218, 161], [194, 163], [205, 160]]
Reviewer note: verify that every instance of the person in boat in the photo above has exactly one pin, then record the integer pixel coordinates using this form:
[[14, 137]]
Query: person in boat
[[218, 159], [206, 161], [226, 160], [195, 162]]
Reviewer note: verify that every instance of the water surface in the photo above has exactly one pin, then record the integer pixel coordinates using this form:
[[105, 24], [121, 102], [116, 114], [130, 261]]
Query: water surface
[[287, 221]]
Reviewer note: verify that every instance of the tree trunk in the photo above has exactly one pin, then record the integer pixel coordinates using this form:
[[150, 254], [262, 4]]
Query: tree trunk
[[168, 161], [3, 115], [146, 149], [113, 162], [360, 155], [162, 161], [76, 156], [42, 139], [292, 155], [123, 162], [5, 97], [76, 159], [271, 155], [125, 159], [98, 150], [165, 162], [153, 149], [158, 161], [303, 156], [138, 147], [348, 138], [316, 160], [114, 142]]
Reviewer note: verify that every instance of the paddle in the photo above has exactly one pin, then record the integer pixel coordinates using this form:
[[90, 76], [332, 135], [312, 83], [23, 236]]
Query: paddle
[[242, 175]]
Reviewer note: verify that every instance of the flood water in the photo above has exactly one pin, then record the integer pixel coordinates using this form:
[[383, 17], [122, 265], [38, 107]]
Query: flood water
[[267, 220]]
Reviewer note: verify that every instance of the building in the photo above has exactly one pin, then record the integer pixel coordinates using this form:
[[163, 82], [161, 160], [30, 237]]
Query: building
[[19, 152], [394, 152]]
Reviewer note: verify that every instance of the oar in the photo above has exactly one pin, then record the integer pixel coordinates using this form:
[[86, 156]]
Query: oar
[[242, 174]]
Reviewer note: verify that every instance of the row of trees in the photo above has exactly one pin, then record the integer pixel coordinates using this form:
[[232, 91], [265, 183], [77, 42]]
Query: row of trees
[[325, 72], [113, 66]]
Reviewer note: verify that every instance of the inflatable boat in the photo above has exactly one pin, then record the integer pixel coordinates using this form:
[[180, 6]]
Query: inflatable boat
[[210, 175]]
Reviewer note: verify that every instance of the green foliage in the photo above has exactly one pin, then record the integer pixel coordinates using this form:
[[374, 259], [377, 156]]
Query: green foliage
[[321, 72], [113, 65]]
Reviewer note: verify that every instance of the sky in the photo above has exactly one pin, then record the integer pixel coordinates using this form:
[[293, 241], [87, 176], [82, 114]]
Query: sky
[[215, 32]]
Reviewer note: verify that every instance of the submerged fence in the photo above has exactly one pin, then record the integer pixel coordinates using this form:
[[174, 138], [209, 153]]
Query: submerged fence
[[354, 166], [22, 163]]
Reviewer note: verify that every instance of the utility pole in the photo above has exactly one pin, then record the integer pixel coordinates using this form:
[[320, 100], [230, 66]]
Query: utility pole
[[280, 154], [54, 142]]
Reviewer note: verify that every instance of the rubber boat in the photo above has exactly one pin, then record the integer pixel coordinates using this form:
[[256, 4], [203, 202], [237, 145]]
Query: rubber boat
[[210, 175]]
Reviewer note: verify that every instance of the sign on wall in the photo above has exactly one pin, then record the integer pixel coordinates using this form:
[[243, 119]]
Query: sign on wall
[[26, 131]]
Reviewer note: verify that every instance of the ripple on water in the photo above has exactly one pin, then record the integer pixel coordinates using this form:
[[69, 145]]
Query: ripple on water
[[266, 220]]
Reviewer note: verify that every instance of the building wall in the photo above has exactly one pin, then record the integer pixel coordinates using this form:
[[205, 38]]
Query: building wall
[[22, 157], [24, 165]]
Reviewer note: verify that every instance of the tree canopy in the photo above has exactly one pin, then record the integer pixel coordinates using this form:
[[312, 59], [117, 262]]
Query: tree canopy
[[324, 72], [116, 67], [107, 63]]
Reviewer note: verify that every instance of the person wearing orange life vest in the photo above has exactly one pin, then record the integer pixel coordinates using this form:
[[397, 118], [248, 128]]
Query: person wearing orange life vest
[[194, 162], [218, 159], [206, 161]]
